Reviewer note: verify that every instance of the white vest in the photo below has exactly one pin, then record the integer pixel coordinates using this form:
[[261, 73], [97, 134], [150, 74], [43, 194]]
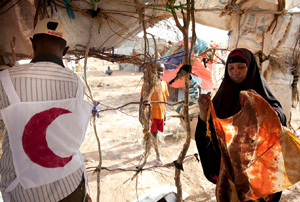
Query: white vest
[[44, 137]]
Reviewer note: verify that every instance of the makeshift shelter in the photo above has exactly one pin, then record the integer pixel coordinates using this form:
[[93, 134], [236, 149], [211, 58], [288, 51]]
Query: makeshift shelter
[[259, 25], [103, 25], [202, 66], [96, 28]]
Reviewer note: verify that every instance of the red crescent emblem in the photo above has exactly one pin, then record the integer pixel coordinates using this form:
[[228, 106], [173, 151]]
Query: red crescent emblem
[[34, 139]]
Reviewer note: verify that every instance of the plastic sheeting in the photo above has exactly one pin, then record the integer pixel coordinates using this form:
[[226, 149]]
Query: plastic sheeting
[[119, 22], [198, 69], [174, 58], [259, 31]]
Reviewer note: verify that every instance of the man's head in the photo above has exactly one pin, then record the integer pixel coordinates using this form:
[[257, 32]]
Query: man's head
[[160, 70], [49, 37]]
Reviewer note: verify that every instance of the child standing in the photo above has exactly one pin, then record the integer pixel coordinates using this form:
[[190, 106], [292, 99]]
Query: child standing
[[158, 110]]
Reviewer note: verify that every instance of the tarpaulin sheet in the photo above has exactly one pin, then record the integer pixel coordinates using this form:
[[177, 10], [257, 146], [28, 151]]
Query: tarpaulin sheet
[[116, 23], [173, 57], [248, 30], [120, 22], [198, 69], [205, 73]]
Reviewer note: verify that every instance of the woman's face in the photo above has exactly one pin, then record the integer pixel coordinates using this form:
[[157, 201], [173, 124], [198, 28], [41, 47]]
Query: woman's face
[[237, 71]]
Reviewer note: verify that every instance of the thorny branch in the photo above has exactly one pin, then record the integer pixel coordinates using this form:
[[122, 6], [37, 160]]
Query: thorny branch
[[137, 169], [144, 102], [98, 169], [187, 60]]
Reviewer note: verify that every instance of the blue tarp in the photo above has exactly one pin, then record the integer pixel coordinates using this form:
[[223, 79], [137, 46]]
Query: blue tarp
[[175, 54]]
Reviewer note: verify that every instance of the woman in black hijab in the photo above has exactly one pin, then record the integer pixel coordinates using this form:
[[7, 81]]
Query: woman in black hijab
[[241, 73]]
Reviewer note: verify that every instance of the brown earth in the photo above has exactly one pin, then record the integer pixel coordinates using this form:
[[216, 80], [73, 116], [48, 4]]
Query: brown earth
[[121, 139]]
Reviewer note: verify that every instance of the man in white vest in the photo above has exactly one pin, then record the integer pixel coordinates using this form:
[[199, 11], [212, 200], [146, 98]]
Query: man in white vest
[[45, 120]]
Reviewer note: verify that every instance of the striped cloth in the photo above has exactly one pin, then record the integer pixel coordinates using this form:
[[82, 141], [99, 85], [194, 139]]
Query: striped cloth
[[39, 81], [194, 90]]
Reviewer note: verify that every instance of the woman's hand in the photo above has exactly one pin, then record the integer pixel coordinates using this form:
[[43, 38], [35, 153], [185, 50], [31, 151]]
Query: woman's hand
[[203, 103]]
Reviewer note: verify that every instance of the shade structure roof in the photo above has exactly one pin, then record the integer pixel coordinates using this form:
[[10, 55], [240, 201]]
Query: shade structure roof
[[107, 24]]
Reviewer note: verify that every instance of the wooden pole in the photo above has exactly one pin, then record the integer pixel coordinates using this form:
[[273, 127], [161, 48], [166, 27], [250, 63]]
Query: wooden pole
[[187, 17]]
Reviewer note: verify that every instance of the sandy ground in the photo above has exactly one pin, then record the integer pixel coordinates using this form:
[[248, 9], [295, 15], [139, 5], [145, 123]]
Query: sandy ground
[[122, 146]]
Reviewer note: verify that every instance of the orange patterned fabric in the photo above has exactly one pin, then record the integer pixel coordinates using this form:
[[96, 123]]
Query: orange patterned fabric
[[258, 155]]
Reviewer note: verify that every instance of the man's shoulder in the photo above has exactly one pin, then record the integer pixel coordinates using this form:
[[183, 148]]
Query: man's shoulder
[[41, 69], [38, 65]]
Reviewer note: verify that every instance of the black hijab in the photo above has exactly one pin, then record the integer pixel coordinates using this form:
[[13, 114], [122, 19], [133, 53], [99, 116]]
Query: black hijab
[[226, 101]]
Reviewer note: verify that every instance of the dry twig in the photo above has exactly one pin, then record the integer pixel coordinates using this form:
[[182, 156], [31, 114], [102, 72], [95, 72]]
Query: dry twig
[[98, 169]]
